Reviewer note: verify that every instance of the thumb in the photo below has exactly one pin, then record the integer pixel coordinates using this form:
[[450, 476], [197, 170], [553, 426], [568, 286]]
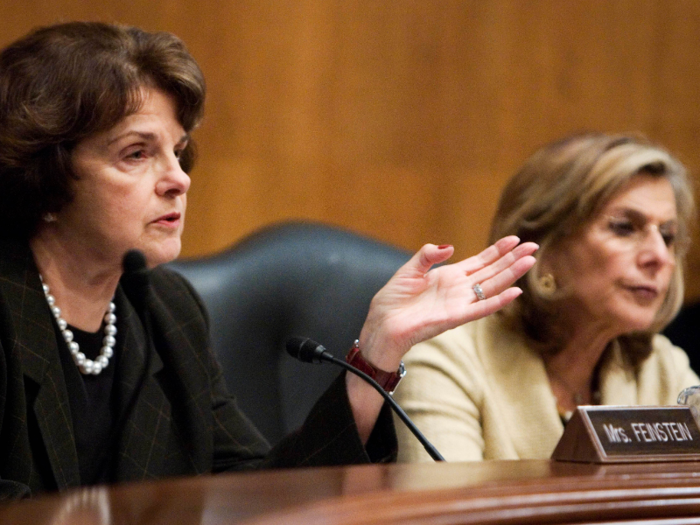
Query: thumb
[[430, 255]]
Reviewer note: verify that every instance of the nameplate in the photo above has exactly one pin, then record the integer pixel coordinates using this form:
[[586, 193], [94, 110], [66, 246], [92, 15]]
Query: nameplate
[[617, 434]]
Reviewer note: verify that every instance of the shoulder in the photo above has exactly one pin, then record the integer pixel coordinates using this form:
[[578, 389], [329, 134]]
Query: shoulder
[[666, 357], [174, 301], [164, 279], [173, 289], [17, 267], [666, 371]]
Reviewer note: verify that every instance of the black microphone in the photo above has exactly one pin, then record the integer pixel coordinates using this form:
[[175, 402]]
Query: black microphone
[[135, 270], [136, 283], [134, 261], [309, 351]]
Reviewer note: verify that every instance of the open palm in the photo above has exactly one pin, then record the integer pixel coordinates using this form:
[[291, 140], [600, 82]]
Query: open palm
[[420, 302]]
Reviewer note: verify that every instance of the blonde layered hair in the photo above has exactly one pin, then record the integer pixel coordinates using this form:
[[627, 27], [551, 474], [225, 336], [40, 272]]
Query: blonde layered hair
[[559, 191]]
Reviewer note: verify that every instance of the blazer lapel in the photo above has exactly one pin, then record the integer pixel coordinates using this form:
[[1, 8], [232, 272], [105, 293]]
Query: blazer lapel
[[144, 411], [34, 341], [525, 400], [174, 376]]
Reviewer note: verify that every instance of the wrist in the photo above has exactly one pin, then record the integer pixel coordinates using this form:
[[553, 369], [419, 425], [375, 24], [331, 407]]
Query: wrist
[[382, 348], [388, 380]]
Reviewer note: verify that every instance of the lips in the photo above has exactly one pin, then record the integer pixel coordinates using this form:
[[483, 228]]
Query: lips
[[644, 292], [169, 219]]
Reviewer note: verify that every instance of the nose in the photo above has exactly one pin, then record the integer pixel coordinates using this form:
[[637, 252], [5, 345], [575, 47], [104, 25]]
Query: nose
[[655, 253], [173, 180]]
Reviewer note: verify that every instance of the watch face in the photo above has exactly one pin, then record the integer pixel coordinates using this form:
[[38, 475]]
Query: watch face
[[400, 373], [402, 370]]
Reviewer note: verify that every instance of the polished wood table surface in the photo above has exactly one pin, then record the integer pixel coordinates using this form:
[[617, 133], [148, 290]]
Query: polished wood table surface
[[488, 492]]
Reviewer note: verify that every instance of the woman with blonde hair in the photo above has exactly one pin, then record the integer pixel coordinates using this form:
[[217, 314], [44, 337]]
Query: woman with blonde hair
[[611, 215]]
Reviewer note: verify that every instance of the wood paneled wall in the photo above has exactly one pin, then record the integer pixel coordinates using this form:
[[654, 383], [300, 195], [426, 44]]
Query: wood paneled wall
[[403, 119]]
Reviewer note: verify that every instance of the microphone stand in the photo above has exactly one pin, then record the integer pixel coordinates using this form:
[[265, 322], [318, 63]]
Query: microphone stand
[[310, 351]]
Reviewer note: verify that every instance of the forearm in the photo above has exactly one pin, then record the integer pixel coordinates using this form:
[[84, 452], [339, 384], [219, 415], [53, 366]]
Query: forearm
[[366, 404], [365, 401]]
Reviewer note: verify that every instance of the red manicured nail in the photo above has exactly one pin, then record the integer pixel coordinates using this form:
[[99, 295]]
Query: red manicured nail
[[444, 246]]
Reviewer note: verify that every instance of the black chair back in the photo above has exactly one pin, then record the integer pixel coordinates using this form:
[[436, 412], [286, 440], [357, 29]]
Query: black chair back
[[295, 278]]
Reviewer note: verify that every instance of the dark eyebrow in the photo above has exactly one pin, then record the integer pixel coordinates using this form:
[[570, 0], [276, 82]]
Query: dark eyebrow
[[639, 216], [146, 136]]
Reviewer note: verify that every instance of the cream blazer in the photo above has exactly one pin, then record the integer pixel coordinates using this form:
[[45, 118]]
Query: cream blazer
[[479, 392]]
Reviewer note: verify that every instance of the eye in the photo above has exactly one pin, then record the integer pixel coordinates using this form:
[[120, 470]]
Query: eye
[[669, 236], [179, 149], [621, 227], [136, 154]]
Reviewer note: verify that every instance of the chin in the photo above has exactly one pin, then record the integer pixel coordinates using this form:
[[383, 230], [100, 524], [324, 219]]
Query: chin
[[640, 323], [162, 254], [635, 317]]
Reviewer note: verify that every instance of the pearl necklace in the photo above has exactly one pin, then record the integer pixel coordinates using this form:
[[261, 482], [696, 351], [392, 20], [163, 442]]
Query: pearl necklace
[[85, 365]]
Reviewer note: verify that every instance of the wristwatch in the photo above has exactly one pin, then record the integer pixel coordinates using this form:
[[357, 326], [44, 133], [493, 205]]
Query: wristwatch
[[387, 380]]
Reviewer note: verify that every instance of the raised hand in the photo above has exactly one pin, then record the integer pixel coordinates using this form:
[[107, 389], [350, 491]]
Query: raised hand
[[420, 302]]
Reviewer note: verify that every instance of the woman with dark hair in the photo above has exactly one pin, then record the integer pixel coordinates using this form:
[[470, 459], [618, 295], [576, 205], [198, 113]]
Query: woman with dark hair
[[611, 215], [105, 374]]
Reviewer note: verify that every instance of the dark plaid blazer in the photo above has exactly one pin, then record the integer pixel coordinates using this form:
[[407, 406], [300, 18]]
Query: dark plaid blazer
[[175, 415]]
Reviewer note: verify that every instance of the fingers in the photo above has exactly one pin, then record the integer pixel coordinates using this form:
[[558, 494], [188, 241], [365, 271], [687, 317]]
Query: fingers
[[496, 276], [498, 256], [419, 303], [506, 261], [494, 303], [495, 268], [490, 254], [431, 254], [497, 283]]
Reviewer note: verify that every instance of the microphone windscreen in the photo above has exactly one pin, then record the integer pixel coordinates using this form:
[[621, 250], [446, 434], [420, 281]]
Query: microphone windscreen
[[134, 261], [135, 278], [305, 349]]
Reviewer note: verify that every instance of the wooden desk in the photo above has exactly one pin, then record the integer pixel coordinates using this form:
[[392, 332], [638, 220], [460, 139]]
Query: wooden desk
[[490, 492]]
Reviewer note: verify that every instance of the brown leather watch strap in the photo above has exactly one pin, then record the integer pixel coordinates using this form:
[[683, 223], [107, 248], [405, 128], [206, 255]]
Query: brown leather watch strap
[[387, 380]]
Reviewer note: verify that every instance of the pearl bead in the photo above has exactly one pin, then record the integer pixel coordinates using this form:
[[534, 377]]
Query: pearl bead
[[86, 366]]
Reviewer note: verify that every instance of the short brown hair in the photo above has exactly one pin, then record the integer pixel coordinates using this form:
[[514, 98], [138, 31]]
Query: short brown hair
[[63, 83], [558, 191]]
